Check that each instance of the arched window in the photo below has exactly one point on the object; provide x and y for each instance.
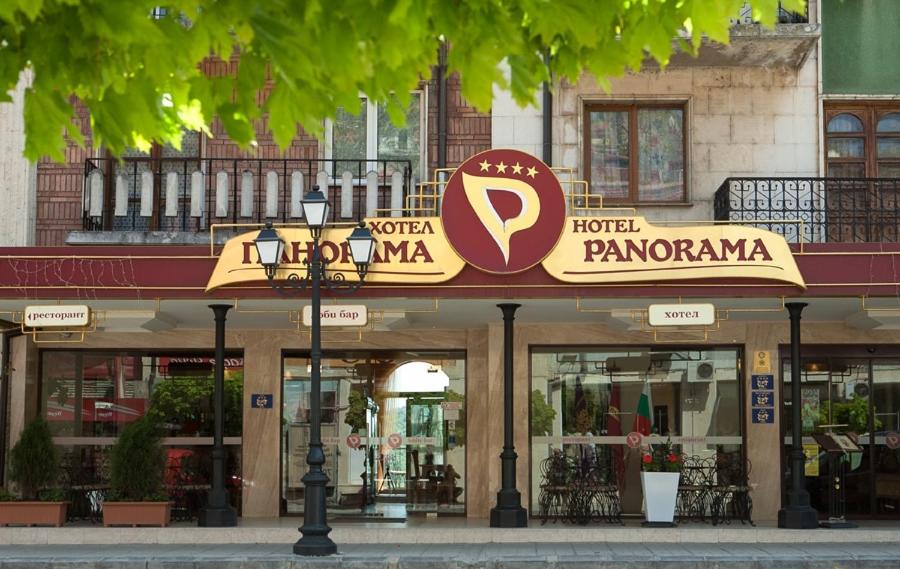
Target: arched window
(862, 140)
(887, 149)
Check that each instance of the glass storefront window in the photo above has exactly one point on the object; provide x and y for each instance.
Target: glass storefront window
(858, 396)
(88, 397)
(584, 401)
(393, 428)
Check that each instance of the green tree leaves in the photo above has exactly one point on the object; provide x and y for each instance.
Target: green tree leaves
(144, 78)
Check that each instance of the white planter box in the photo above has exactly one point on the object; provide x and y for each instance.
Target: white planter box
(660, 493)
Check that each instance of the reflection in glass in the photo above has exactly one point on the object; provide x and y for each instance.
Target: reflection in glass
(609, 153)
(394, 430)
(889, 123)
(845, 122)
(661, 154)
(400, 143)
(585, 400)
(845, 148)
(89, 397)
(349, 134)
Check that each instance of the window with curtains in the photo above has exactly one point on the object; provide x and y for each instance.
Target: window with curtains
(635, 153)
(862, 140)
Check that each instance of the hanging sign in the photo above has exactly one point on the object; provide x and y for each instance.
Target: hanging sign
(338, 315)
(681, 314)
(503, 212)
(57, 316)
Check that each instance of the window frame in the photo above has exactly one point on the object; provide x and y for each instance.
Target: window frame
(372, 136)
(633, 107)
(869, 113)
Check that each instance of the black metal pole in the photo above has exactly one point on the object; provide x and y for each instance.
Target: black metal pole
(217, 512)
(315, 530)
(547, 115)
(509, 512)
(797, 514)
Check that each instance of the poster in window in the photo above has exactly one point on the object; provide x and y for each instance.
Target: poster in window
(809, 408)
(811, 454)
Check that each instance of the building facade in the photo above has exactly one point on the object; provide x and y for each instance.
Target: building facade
(770, 134)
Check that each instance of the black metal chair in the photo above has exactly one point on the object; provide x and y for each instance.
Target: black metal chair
(730, 490)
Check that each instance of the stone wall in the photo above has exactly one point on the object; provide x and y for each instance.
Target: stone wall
(741, 121)
(17, 175)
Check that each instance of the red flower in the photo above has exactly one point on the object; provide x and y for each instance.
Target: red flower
(647, 459)
(672, 457)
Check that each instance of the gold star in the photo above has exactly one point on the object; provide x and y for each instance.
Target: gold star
(501, 168)
(532, 172)
(484, 165)
(517, 169)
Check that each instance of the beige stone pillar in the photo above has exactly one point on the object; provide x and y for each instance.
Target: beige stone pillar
(23, 385)
(478, 412)
(262, 427)
(763, 446)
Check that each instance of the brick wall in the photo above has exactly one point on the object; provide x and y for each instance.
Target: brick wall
(468, 131)
(59, 186)
(59, 189)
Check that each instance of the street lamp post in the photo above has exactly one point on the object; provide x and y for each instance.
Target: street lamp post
(269, 246)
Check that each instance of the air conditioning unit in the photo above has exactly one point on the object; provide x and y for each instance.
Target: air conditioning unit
(700, 371)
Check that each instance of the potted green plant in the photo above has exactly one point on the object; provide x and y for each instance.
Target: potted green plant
(660, 472)
(137, 462)
(34, 468)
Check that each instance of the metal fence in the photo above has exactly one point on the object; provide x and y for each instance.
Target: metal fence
(814, 210)
(190, 194)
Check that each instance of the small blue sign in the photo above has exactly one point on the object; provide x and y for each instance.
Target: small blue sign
(763, 415)
(763, 399)
(261, 400)
(765, 382)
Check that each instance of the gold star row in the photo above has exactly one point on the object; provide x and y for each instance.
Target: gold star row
(531, 172)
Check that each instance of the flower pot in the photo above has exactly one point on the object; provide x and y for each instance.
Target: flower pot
(136, 514)
(660, 493)
(33, 513)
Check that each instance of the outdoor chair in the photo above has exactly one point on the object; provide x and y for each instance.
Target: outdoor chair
(730, 490)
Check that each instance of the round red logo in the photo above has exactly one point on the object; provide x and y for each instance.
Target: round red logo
(503, 211)
(634, 439)
(892, 440)
(395, 440)
(353, 440)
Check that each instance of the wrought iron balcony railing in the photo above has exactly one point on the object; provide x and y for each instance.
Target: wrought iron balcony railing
(191, 194)
(815, 210)
(784, 16)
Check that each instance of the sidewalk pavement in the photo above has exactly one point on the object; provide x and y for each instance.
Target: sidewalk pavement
(560, 555)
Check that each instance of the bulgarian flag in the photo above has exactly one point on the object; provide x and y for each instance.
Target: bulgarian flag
(643, 419)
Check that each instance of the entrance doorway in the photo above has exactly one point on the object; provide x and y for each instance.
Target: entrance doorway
(856, 395)
(393, 428)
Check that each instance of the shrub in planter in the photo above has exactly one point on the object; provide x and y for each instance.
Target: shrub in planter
(137, 463)
(34, 468)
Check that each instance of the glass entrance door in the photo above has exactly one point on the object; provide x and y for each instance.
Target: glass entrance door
(860, 396)
(393, 428)
(886, 439)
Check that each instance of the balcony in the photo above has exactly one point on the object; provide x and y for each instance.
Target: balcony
(786, 45)
(814, 210)
(166, 196)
